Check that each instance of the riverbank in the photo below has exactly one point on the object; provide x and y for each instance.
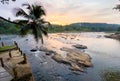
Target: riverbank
(16, 65)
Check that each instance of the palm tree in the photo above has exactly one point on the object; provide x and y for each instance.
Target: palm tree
(33, 21)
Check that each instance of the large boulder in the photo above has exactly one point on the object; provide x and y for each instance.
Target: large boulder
(76, 59)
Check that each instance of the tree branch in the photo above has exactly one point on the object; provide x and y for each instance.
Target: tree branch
(8, 20)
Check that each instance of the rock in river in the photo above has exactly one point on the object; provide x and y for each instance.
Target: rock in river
(80, 46)
(75, 58)
(114, 36)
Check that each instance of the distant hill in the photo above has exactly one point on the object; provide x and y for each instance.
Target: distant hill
(8, 28)
(95, 24)
(95, 27)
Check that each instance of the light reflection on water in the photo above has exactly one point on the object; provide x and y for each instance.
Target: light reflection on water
(105, 54)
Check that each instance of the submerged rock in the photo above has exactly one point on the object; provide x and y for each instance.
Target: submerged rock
(76, 59)
(80, 46)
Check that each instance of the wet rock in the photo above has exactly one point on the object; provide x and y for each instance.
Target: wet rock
(26, 39)
(76, 59)
(80, 46)
(60, 59)
(76, 67)
(114, 36)
(48, 52)
(33, 50)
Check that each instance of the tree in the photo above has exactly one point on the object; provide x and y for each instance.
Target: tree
(6, 1)
(33, 21)
(117, 7)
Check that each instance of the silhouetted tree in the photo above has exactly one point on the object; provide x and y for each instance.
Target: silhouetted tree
(33, 21)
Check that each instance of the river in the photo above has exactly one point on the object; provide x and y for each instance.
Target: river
(105, 54)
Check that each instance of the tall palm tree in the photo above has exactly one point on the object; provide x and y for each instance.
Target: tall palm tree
(33, 21)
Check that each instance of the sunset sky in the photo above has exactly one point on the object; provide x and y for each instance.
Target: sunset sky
(71, 11)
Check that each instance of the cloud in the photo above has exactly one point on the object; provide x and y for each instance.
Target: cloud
(70, 11)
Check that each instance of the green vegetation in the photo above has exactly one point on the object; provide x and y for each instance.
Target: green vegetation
(8, 28)
(118, 31)
(6, 48)
(111, 75)
(89, 27)
(77, 27)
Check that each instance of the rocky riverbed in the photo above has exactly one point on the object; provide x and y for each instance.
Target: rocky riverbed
(67, 54)
(103, 51)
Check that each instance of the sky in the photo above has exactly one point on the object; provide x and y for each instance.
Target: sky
(64, 12)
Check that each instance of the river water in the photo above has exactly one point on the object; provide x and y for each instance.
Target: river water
(105, 54)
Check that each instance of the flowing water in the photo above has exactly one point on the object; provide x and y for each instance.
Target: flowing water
(105, 54)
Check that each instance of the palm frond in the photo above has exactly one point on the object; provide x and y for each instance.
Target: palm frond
(26, 4)
(37, 11)
(42, 21)
(44, 32)
(21, 22)
(21, 12)
(117, 7)
(25, 29)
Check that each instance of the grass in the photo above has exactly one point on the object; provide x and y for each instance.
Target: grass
(111, 76)
(6, 48)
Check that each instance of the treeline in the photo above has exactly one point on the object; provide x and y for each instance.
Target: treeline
(8, 28)
(93, 27)
(67, 28)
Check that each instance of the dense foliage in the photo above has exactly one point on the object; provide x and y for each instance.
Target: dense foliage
(78, 27)
(8, 28)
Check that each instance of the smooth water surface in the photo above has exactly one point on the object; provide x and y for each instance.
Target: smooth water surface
(105, 54)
